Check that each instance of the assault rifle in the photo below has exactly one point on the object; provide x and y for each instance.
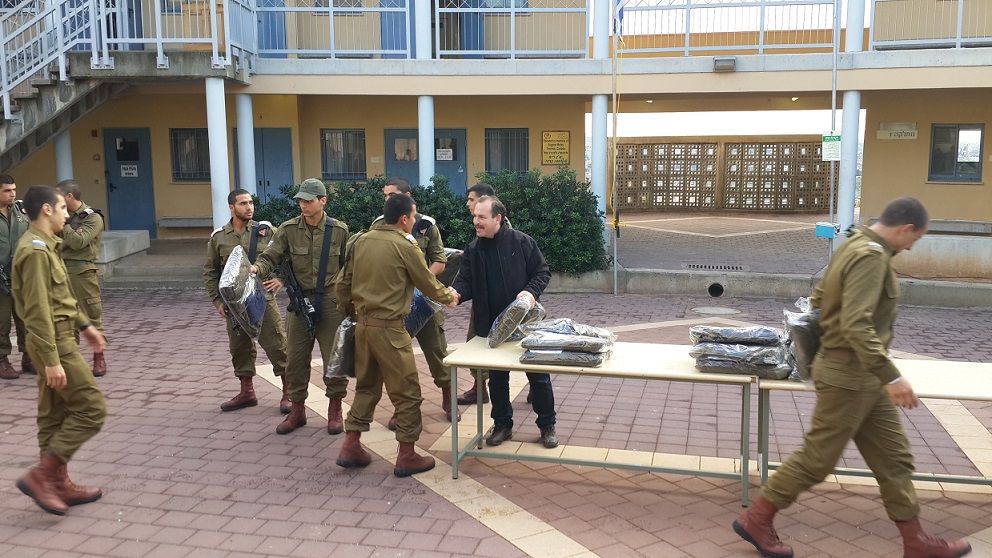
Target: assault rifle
(5, 282)
(300, 304)
(235, 326)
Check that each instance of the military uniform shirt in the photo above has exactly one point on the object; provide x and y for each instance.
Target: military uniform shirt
(294, 240)
(11, 228)
(42, 293)
(857, 299)
(377, 281)
(219, 248)
(427, 236)
(81, 235)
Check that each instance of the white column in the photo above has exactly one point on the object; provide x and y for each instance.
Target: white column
(63, 157)
(246, 144)
(425, 135)
(599, 149)
(422, 34)
(848, 176)
(220, 179)
(602, 14)
(848, 158)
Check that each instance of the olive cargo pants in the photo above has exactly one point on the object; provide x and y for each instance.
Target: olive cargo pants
(271, 337)
(85, 285)
(300, 349)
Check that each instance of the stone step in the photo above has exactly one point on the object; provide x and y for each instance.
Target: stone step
(160, 271)
(182, 283)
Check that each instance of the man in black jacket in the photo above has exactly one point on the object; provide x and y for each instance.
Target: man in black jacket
(499, 266)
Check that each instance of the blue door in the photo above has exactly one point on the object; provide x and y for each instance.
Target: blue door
(273, 161)
(130, 188)
(449, 150)
(271, 29)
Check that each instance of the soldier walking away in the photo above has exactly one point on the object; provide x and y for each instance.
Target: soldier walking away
(377, 288)
(252, 236)
(80, 248)
(431, 337)
(71, 409)
(313, 246)
(13, 223)
(858, 389)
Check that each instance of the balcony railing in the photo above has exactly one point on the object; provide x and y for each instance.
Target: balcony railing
(706, 27)
(511, 29)
(907, 24)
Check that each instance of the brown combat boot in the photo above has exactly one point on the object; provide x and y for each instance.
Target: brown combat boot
(71, 493)
(285, 405)
(39, 484)
(7, 371)
(471, 395)
(99, 365)
(446, 404)
(27, 366)
(392, 423)
(409, 463)
(296, 418)
(917, 543)
(755, 526)
(335, 423)
(352, 453)
(245, 398)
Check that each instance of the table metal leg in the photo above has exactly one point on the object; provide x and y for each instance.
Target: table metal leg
(454, 422)
(745, 440)
(764, 414)
(480, 385)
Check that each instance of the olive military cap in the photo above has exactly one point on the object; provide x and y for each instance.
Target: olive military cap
(311, 188)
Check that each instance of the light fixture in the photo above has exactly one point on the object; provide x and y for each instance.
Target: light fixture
(649, 101)
(724, 63)
(794, 99)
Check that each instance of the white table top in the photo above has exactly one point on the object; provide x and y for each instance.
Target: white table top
(629, 360)
(933, 379)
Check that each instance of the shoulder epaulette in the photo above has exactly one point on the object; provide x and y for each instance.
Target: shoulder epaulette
(88, 211)
(876, 246)
(38, 244)
(428, 218)
(410, 238)
(217, 230)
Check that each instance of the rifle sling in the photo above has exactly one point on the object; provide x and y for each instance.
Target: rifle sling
(325, 250)
(253, 243)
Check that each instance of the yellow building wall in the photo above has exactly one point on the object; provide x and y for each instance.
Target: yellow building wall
(149, 107)
(894, 168)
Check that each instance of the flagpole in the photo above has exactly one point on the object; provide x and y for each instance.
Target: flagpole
(612, 159)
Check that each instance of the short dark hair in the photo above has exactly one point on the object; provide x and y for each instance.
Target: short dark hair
(905, 211)
(37, 197)
(70, 187)
(232, 198)
(396, 207)
(483, 189)
(6, 179)
(497, 208)
(401, 184)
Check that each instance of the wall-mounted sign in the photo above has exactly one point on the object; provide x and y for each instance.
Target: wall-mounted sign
(129, 171)
(444, 154)
(897, 131)
(831, 146)
(554, 148)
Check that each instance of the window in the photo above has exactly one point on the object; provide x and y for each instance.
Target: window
(956, 152)
(342, 154)
(507, 148)
(190, 154)
(504, 4)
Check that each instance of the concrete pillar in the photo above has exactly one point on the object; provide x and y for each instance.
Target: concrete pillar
(602, 14)
(220, 179)
(848, 177)
(246, 144)
(425, 137)
(422, 36)
(63, 157)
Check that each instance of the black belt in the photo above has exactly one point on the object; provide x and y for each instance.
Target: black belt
(840, 355)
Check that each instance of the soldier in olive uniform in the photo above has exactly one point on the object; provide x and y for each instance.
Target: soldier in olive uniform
(71, 409)
(377, 288)
(13, 223)
(299, 241)
(80, 248)
(431, 336)
(252, 236)
(858, 389)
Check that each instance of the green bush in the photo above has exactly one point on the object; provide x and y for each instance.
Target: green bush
(557, 210)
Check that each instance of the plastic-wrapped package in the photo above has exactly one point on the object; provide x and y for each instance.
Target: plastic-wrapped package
(578, 343)
(508, 321)
(242, 292)
(766, 372)
(422, 309)
(447, 277)
(563, 358)
(761, 355)
(535, 314)
(803, 329)
(567, 326)
(752, 335)
(341, 363)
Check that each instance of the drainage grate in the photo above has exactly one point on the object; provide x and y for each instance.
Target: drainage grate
(716, 267)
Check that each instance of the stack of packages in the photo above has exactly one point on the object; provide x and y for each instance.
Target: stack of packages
(242, 293)
(565, 342)
(758, 350)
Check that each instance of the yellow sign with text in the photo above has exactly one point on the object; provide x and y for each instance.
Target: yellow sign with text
(554, 148)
